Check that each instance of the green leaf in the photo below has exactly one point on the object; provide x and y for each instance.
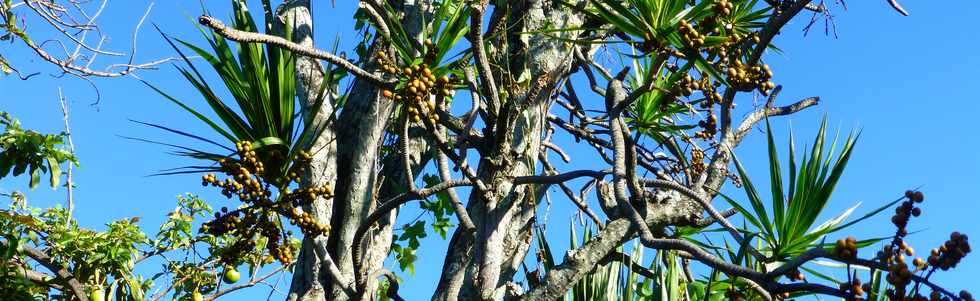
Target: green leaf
(776, 181)
(55, 172)
(35, 177)
(754, 199)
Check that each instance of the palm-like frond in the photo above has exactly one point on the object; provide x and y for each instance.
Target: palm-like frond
(788, 221)
(261, 81)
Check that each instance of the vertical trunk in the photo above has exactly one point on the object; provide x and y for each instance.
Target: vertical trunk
(346, 156)
(310, 276)
(504, 219)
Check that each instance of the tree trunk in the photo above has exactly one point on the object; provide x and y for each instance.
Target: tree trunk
(349, 147)
(504, 216)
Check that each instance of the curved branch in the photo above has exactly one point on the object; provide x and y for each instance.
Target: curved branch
(480, 54)
(251, 283)
(253, 37)
(711, 220)
(628, 261)
(713, 178)
(461, 213)
(898, 7)
(707, 207)
(560, 178)
(386, 207)
(45, 260)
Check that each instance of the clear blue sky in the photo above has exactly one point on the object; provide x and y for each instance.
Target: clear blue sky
(903, 81)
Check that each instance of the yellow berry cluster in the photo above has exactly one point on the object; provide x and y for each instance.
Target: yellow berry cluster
(687, 85)
(951, 252)
(259, 214)
(893, 255)
(709, 127)
(905, 211)
(723, 7)
(855, 288)
(900, 275)
(846, 249)
(750, 77)
(697, 160)
(306, 222)
(690, 36)
(278, 247)
(896, 255)
(795, 275)
(303, 160)
(420, 88)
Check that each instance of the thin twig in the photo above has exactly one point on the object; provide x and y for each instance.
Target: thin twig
(253, 37)
(69, 184)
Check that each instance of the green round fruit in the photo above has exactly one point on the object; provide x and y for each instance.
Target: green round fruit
(197, 296)
(231, 275)
(96, 295)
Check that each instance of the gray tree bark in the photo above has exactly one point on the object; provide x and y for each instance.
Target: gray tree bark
(348, 147)
(504, 216)
(310, 277)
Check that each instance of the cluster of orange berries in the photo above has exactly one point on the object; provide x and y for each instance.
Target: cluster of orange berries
(855, 287)
(900, 275)
(278, 248)
(795, 275)
(687, 85)
(846, 248)
(896, 255)
(750, 77)
(304, 220)
(303, 159)
(244, 175)
(420, 89)
(306, 195)
(723, 7)
(249, 157)
(238, 223)
(905, 211)
(709, 127)
(951, 252)
(697, 160)
(691, 36)
(249, 181)
(893, 255)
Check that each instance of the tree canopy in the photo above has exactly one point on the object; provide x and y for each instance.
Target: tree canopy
(470, 109)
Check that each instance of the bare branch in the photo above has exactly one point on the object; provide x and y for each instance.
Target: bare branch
(253, 37)
(62, 273)
(898, 7)
(251, 283)
(388, 206)
(461, 213)
(69, 184)
(559, 178)
(479, 53)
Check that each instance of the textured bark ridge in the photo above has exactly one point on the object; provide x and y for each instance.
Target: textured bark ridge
(348, 147)
(505, 214)
(309, 281)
